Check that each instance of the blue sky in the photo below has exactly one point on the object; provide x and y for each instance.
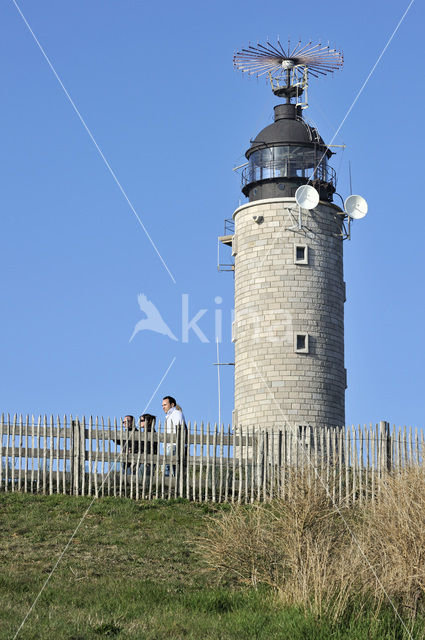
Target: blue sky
(155, 85)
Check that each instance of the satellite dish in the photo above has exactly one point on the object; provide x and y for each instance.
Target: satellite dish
(307, 197)
(356, 207)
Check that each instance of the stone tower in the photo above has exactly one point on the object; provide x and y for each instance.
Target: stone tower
(289, 286)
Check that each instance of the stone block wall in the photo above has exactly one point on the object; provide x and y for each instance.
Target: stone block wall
(276, 300)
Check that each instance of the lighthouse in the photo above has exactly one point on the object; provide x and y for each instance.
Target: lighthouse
(288, 330)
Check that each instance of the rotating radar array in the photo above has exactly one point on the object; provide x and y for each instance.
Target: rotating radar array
(291, 65)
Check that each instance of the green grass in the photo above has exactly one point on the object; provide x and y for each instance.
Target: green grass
(131, 572)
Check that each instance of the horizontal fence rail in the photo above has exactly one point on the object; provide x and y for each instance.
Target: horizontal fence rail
(200, 462)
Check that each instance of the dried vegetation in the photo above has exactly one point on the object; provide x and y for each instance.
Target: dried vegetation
(326, 557)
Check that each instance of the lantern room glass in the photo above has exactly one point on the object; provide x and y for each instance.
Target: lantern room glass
(287, 161)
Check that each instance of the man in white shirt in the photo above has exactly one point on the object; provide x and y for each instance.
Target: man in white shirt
(173, 418)
(173, 415)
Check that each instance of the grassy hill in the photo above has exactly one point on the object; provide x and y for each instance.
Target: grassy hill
(131, 571)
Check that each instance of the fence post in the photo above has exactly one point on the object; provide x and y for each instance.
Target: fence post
(384, 428)
(82, 454)
(181, 452)
(73, 456)
(1, 451)
(78, 456)
(261, 465)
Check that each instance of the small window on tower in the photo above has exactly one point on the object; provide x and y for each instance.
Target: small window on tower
(234, 245)
(234, 331)
(301, 342)
(300, 254)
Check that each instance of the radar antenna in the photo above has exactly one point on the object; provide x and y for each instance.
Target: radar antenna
(288, 69)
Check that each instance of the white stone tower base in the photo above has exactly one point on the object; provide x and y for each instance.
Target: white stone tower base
(289, 315)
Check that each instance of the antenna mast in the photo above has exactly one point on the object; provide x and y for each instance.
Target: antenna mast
(288, 69)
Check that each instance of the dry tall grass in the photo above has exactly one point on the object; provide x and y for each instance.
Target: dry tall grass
(392, 533)
(304, 549)
(297, 546)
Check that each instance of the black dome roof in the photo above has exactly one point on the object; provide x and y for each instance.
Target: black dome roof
(288, 128)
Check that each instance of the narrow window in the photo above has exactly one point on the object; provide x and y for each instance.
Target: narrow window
(234, 245)
(301, 342)
(300, 254)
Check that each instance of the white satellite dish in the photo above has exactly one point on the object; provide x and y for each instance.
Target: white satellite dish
(307, 197)
(356, 207)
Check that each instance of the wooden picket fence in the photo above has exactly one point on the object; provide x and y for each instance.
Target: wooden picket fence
(202, 462)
